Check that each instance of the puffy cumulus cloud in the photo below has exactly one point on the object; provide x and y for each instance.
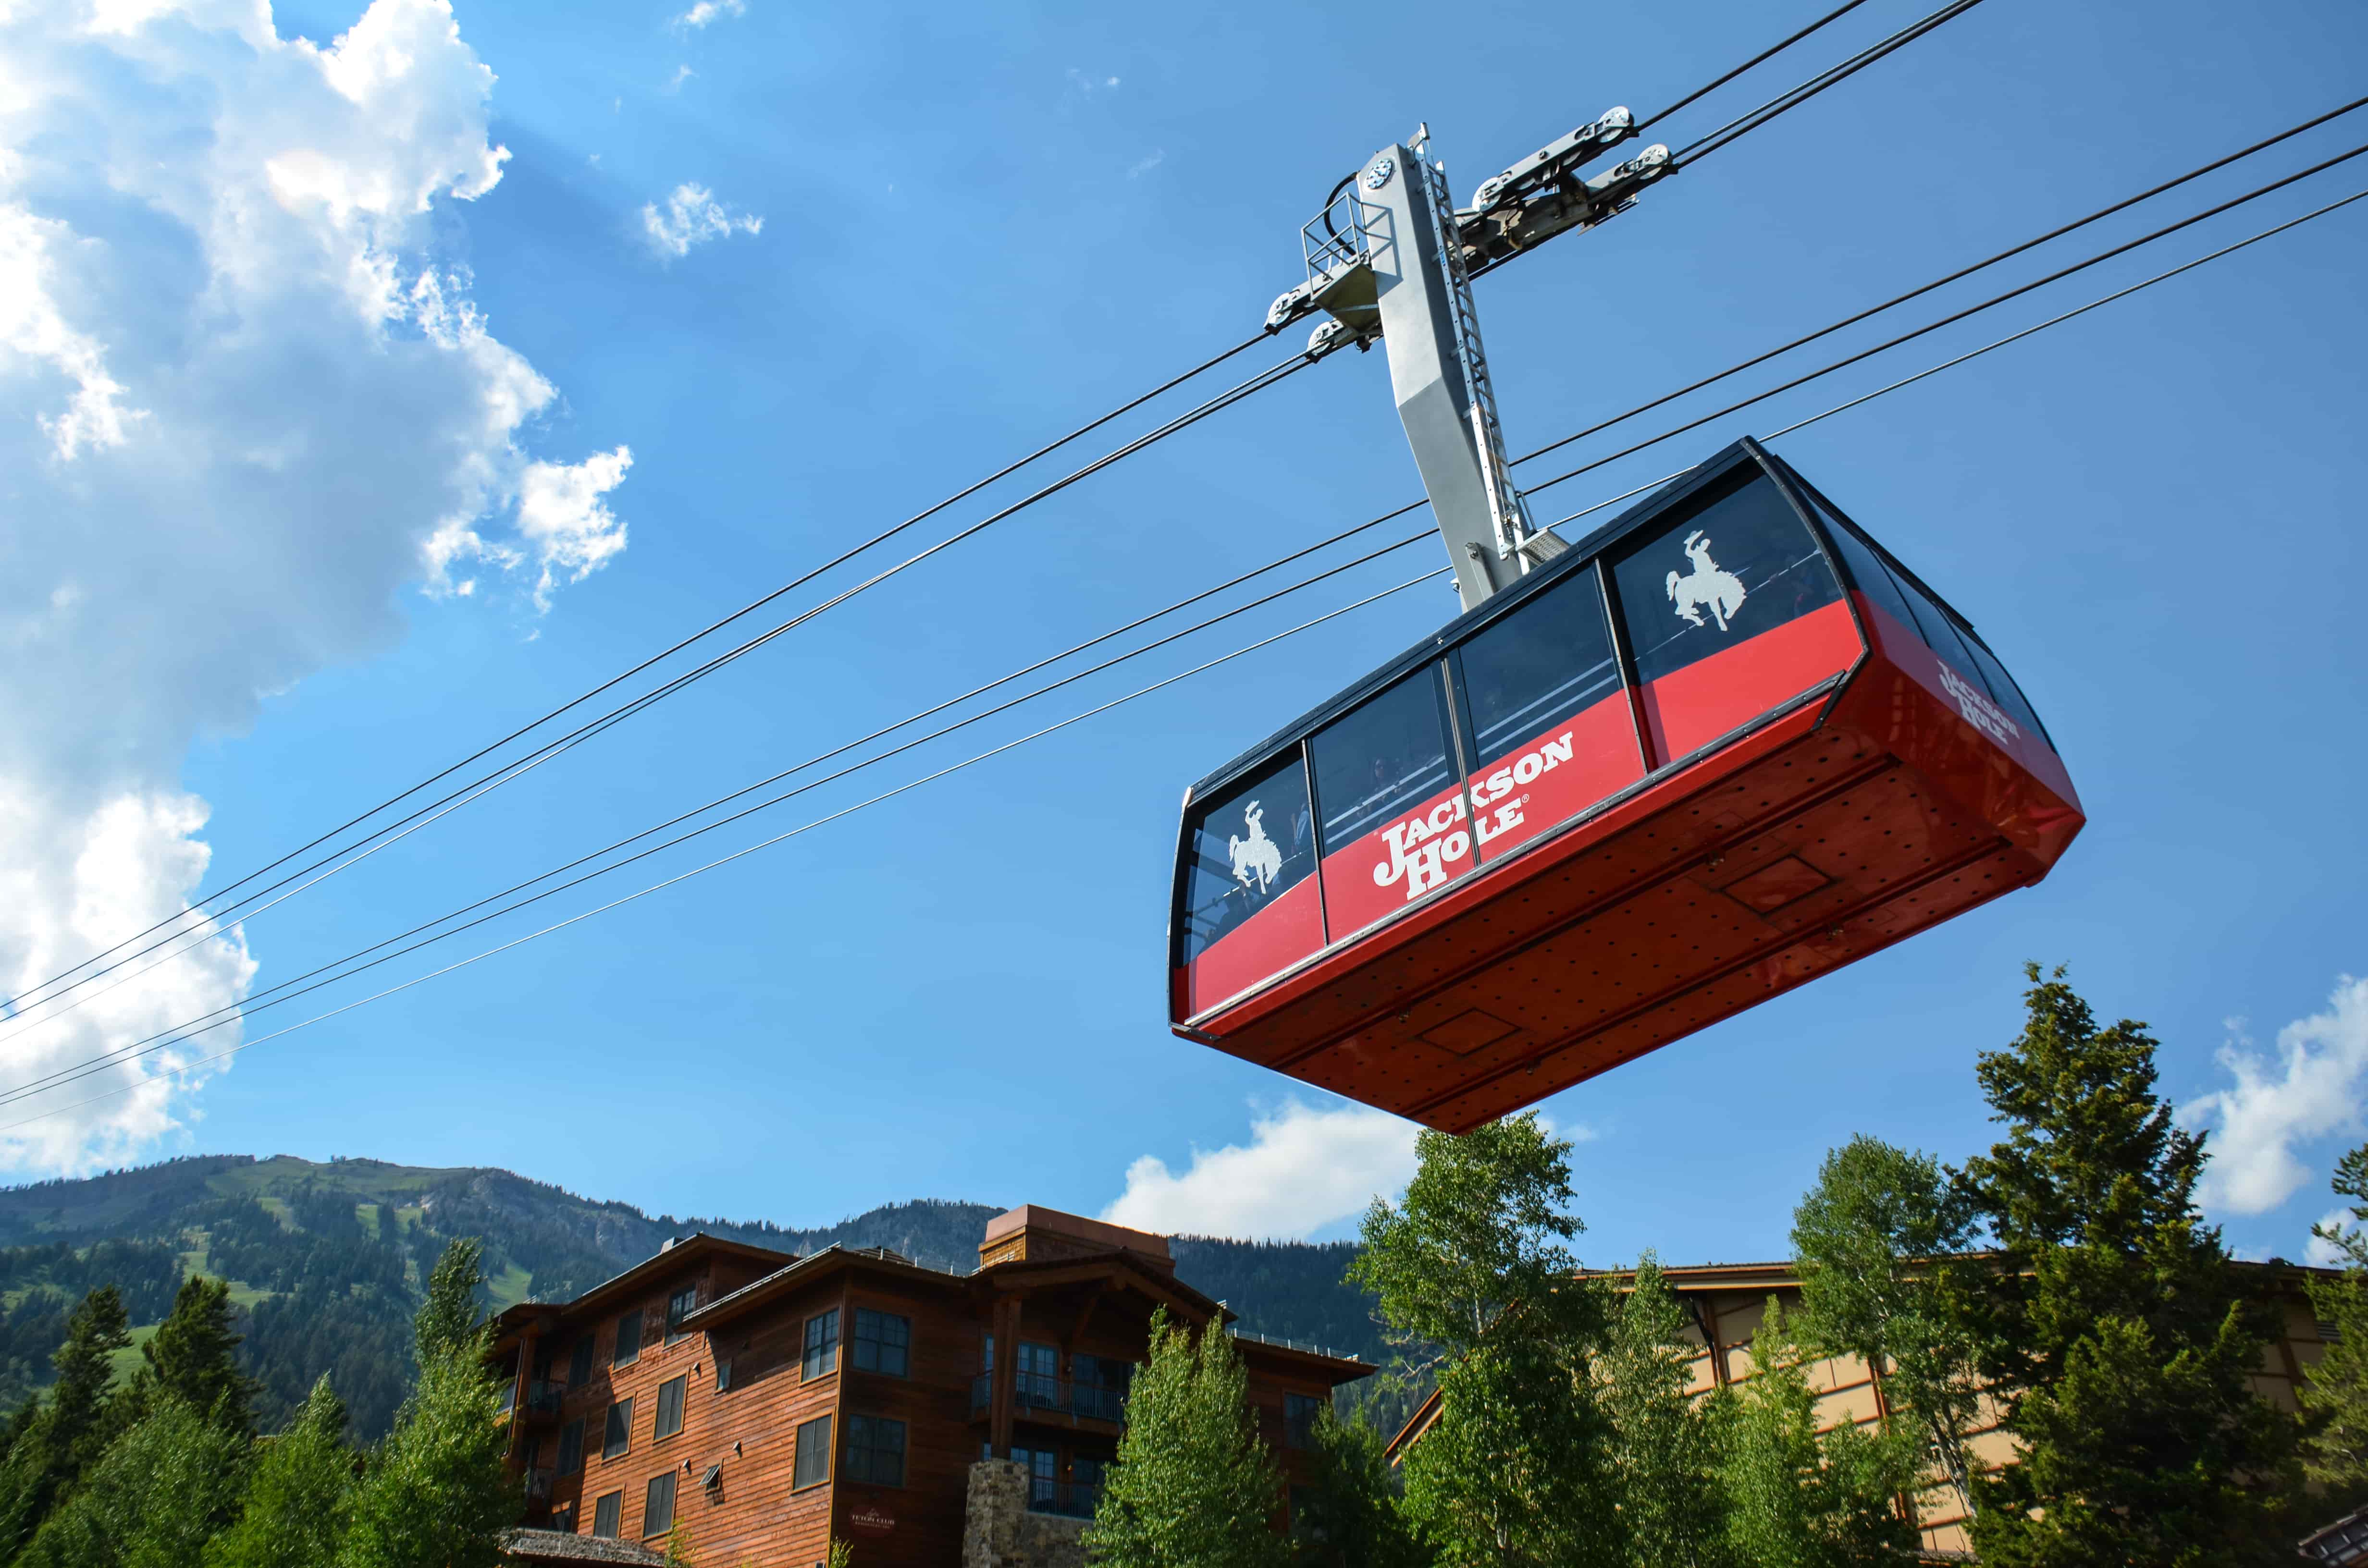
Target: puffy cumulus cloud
(1302, 1168)
(2318, 1250)
(707, 11)
(691, 217)
(2312, 1087)
(242, 404)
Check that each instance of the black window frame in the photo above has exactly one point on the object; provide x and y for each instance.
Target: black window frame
(873, 1445)
(680, 1304)
(620, 1352)
(679, 1388)
(650, 1496)
(818, 1346)
(571, 1437)
(810, 1454)
(608, 1510)
(880, 1347)
(1371, 817)
(619, 1418)
(579, 1362)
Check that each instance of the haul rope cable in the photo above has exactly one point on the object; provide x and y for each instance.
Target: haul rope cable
(1959, 359)
(1773, 392)
(516, 767)
(12, 1006)
(703, 633)
(751, 849)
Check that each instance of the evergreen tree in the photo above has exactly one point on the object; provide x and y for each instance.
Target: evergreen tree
(1347, 1515)
(1797, 1498)
(1879, 1241)
(2336, 1451)
(194, 1356)
(2116, 1333)
(1474, 1273)
(59, 1444)
(1193, 1487)
(437, 1496)
(153, 1500)
(1666, 1454)
(301, 1497)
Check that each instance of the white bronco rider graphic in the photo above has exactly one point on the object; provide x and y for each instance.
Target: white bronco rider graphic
(1707, 584)
(1257, 853)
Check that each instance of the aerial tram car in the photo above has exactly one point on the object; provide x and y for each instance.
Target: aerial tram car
(1725, 744)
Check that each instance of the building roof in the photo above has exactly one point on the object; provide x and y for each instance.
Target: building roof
(1101, 1232)
(564, 1546)
(674, 1254)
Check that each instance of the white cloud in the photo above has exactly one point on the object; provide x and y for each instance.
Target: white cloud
(693, 216)
(2323, 1253)
(1143, 166)
(1303, 1169)
(1088, 83)
(243, 403)
(681, 74)
(2315, 1087)
(706, 11)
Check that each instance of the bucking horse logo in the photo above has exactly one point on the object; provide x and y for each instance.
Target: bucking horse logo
(1708, 586)
(1257, 853)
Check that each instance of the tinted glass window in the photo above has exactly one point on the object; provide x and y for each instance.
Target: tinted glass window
(2007, 695)
(629, 1340)
(579, 1363)
(1867, 570)
(814, 1452)
(880, 1342)
(608, 1514)
(1388, 755)
(571, 1447)
(618, 1435)
(822, 1345)
(875, 1450)
(1299, 1417)
(1729, 570)
(1249, 843)
(679, 1306)
(657, 1508)
(670, 1398)
(724, 1374)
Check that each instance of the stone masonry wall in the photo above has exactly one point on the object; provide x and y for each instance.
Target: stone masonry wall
(999, 1532)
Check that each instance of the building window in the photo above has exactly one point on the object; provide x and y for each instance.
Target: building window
(875, 1450)
(670, 1398)
(619, 1435)
(822, 1345)
(1037, 1379)
(680, 1306)
(1044, 1468)
(563, 1519)
(629, 1340)
(882, 1342)
(722, 1373)
(1299, 1415)
(609, 1515)
(658, 1508)
(579, 1363)
(814, 1453)
(571, 1447)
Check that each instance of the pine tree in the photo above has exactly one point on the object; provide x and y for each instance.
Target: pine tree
(301, 1498)
(1347, 1515)
(1879, 1241)
(65, 1439)
(2336, 1453)
(1475, 1274)
(1193, 1487)
(154, 1498)
(2116, 1333)
(1798, 1498)
(194, 1356)
(437, 1496)
(1666, 1454)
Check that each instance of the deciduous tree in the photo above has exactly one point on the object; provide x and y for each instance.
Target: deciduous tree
(157, 1495)
(2336, 1453)
(1665, 1442)
(1348, 1516)
(301, 1497)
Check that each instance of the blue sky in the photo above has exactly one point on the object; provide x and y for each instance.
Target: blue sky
(918, 241)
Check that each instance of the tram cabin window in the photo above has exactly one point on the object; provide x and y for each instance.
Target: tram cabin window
(1390, 803)
(1552, 732)
(1249, 909)
(1737, 566)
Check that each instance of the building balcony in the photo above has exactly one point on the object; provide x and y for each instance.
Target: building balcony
(1036, 1394)
(537, 1485)
(1069, 1499)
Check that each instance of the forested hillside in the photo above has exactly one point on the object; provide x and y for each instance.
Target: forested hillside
(327, 1261)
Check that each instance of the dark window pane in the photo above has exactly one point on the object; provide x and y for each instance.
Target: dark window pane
(1251, 846)
(1551, 726)
(1036, 1381)
(1390, 803)
(608, 1514)
(629, 1340)
(579, 1363)
(722, 1374)
(1867, 571)
(563, 1519)
(670, 1401)
(617, 1436)
(821, 1345)
(1730, 565)
(679, 1306)
(657, 1508)
(2008, 696)
(1299, 1415)
(571, 1447)
(814, 1452)
(880, 1342)
(875, 1450)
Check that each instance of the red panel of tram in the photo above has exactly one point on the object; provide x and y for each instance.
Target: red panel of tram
(1520, 890)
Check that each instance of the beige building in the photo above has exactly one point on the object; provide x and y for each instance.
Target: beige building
(1724, 1302)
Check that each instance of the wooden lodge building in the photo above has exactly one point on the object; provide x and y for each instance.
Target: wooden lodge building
(767, 1402)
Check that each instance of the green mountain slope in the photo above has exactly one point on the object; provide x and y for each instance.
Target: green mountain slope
(325, 1259)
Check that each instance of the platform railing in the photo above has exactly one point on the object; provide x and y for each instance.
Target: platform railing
(1070, 1499)
(1043, 1392)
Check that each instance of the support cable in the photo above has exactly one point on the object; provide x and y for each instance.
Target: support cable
(13, 1002)
(1765, 55)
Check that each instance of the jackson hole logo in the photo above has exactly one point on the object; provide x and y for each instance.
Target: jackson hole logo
(1424, 846)
(1707, 587)
(1976, 706)
(1257, 853)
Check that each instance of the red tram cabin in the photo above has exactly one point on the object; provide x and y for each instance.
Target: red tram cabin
(1724, 746)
